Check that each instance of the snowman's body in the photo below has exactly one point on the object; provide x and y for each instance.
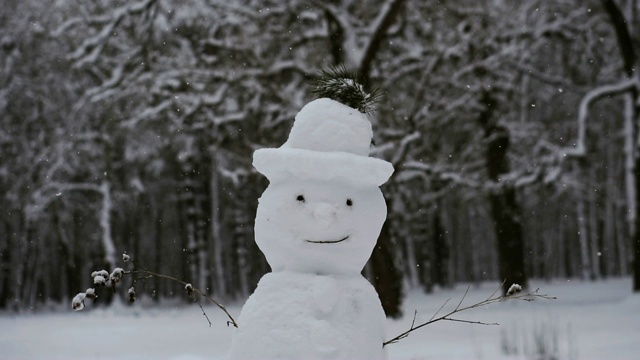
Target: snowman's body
(317, 224)
(306, 316)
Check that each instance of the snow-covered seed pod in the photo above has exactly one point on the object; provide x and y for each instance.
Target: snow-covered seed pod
(77, 303)
(91, 293)
(126, 258)
(99, 280)
(189, 289)
(515, 288)
(103, 273)
(132, 294)
(116, 275)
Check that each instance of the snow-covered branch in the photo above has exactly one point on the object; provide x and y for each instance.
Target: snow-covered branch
(515, 180)
(583, 111)
(357, 54)
(543, 77)
(379, 27)
(92, 47)
(447, 176)
(41, 198)
(402, 149)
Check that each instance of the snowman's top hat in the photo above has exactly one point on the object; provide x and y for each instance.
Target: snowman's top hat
(328, 141)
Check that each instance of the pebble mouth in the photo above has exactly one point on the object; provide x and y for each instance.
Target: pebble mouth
(328, 241)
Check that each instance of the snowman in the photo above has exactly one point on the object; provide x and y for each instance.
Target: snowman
(317, 224)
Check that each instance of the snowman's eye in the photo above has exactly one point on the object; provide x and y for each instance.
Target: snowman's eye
(349, 202)
(300, 198)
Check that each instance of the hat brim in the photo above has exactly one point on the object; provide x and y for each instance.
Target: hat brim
(285, 163)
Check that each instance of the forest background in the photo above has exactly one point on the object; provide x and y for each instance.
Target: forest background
(129, 126)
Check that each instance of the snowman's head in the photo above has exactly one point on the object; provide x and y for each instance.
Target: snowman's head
(319, 227)
(323, 210)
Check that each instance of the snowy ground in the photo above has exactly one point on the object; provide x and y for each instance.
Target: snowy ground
(598, 320)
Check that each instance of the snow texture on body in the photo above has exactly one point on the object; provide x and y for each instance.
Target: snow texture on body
(317, 224)
(306, 316)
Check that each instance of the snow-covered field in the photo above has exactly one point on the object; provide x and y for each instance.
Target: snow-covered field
(595, 320)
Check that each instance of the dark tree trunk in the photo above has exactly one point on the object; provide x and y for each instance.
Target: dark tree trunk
(440, 253)
(377, 40)
(630, 63)
(504, 205)
(386, 278)
(636, 235)
(6, 256)
(158, 259)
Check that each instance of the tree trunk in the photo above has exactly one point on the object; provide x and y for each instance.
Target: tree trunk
(192, 217)
(440, 254)
(105, 225)
(610, 236)
(636, 235)
(624, 33)
(69, 257)
(504, 206)
(220, 285)
(631, 182)
(475, 242)
(14, 255)
(6, 253)
(386, 278)
(595, 244)
(629, 163)
(157, 240)
(412, 262)
(585, 260)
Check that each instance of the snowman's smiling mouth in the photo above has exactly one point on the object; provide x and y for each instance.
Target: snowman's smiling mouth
(328, 241)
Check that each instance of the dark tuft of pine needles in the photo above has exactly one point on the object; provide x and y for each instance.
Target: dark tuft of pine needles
(347, 87)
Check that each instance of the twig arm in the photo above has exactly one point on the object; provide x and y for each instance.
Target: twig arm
(447, 317)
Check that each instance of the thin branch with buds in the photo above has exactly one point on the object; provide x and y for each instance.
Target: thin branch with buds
(490, 300)
(102, 278)
(147, 274)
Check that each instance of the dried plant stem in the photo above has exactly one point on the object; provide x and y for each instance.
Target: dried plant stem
(448, 317)
(205, 314)
(147, 273)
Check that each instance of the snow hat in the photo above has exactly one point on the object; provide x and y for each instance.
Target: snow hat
(328, 141)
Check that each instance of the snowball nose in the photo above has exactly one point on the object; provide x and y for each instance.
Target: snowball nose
(324, 213)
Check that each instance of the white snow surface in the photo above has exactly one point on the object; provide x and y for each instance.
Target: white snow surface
(592, 321)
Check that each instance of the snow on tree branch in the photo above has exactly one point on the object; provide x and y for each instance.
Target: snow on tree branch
(92, 47)
(583, 112)
(42, 197)
(516, 179)
(360, 55)
(379, 27)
